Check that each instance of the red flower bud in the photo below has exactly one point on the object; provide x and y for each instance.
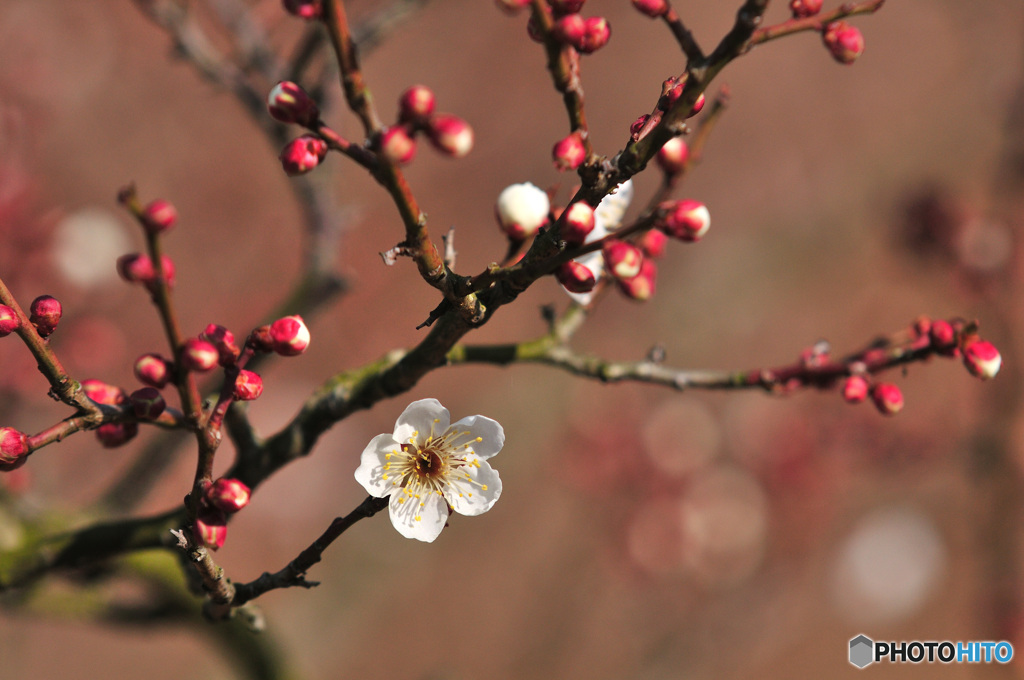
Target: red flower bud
(596, 35)
(943, 337)
(211, 528)
(653, 243)
(637, 125)
(623, 259)
(570, 29)
(304, 9)
(112, 435)
(686, 220)
(227, 495)
(982, 359)
(416, 104)
(569, 153)
(199, 355)
(290, 336)
(159, 216)
(102, 393)
(136, 268)
(147, 403)
(224, 341)
(672, 157)
(450, 135)
(397, 146)
(302, 155)
(697, 105)
(153, 370)
(260, 339)
(13, 445)
(289, 103)
(9, 321)
(640, 287)
(576, 278)
(887, 398)
(652, 8)
(578, 221)
(855, 389)
(844, 42)
(45, 314)
(248, 386)
(804, 8)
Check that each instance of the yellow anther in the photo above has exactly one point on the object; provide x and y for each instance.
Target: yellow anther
(385, 477)
(418, 518)
(387, 456)
(478, 439)
(483, 487)
(387, 466)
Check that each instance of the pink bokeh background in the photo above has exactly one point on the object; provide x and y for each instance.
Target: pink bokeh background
(642, 533)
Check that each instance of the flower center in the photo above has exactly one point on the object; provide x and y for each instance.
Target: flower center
(428, 463)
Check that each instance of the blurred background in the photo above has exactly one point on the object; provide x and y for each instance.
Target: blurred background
(642, 533)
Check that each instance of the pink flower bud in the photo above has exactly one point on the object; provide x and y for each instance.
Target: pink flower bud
(569, 153)
(570, 29)
(674, 90)
(637, 125)
(640, 287)
(13, 445)
(224, 341)
(304, 9)
(9, 321)
(576, 277)
(686, 220)
(653, 243)
(112, 435)
(102, 393)
(289, 103)
(672, 157)
(521, 210)
(623, 259)
(513, 6)
(578, 221)
(855, 389)
(302, 155)
(260, 339)
(397, 146)
(887, 398)
(45, 314)
(942, 335)
(159, 216)
(982, 359)
(227, 495)
(290, 336)
(147, 403)
(697, 105)
(804, 8)
(596, 35)
(560, 7)
(136, 268)
(199, 355)
(211, 528)
(450, 135)
(416, 104)
(153, 370)
(652, 8)
(248, 386)
(844, 42)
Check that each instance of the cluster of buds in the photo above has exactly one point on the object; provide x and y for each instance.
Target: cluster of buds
(448, 134)
(112, 434)
(943, 338)
(288, 337)
(844, 42)
(585, 35)
(220, 499)
(672, 90)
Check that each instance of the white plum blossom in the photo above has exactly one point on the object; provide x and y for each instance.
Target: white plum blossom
(607, 218)
(430, 466)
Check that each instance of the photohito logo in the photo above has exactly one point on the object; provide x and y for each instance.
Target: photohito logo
(865, 651)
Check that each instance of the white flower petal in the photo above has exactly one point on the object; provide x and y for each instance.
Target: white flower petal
(469, 497)
(490, 433)
(370, 472)
(425, 417)
(595, 263)
(612, 207)
(420, 518)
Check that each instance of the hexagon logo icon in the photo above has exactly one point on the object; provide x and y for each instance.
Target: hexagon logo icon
(861, 651)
